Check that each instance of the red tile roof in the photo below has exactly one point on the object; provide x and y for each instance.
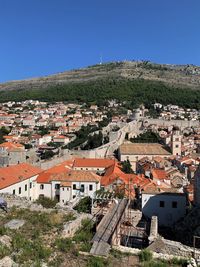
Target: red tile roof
(16, 173)
(159, 174)
(47, 175)
(95, 163)
(10, 145)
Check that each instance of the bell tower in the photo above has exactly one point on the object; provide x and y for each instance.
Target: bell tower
(176, 143)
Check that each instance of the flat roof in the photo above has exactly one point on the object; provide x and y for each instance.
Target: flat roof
(166, 191)
(129, 148)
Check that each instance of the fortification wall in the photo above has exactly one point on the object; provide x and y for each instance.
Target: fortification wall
(179, 123)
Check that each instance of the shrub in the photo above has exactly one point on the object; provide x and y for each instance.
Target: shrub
(84, 205)
(155, 264)
(86, 247)
(2, 230)
(85, 233)
(29, 249)
(118, 254)
(4, 251)
(182, 262)
(145, 255)
(46, 202)
(69, 217)
(97, 262)
(64, 244)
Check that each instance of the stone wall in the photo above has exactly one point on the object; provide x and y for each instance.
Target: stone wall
(179, 123)
(182, 253)
(72, 226)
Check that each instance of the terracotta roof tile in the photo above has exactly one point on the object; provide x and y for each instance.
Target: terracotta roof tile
(16, 173)
(101, 163)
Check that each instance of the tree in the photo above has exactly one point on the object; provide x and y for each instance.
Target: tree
(126, 166)
(47, 154)
(3, 131)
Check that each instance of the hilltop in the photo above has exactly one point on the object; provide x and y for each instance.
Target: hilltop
(128, 80)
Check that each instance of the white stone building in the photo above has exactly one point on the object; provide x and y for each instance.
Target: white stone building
(19, 180)
(169, 207)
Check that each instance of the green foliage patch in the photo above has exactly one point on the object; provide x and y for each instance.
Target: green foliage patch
(135, 91)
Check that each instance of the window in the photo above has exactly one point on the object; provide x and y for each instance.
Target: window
(14, 192)
(20, 190)
(30, 185)
(90, 187)
(162, 204)
(74, 186)
(174, 204)
(41, 186)
(25, 187)
(82, 188)
(177, 145)
(63, 189)
(57, 186)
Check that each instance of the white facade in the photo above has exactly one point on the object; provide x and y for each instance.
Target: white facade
(42, 190)
(25, 188)
(168, 207)
(45, 139)
(65, 194)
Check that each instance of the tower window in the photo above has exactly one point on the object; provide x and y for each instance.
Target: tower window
(174, 204)
(162, 204)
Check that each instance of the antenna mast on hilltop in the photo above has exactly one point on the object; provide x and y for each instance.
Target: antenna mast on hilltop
(101, 60)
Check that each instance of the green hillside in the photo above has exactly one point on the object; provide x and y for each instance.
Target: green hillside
(130, 81)
(133, 91)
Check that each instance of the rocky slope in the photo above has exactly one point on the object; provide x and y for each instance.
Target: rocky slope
(177, 75)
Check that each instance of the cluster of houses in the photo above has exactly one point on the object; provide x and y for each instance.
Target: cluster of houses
(164, 179)
(175, 112)
(164, 186)
(39, 126)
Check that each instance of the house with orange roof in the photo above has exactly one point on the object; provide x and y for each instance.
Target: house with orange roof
(159, 176)
(44, 186)
(19, 180)
(65, 184)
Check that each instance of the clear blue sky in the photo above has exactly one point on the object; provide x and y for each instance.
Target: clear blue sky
(40, 37)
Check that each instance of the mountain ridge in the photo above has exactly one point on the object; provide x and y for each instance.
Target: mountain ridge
(186, 76)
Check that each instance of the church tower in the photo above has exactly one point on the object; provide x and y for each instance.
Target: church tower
(176, 143)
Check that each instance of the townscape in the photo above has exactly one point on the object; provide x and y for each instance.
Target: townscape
(133, 173)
